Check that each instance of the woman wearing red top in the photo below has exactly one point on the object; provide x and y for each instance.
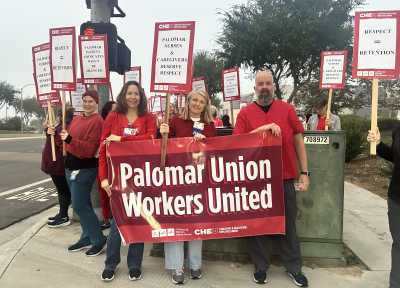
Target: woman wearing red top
(196, 120)
(214, 112)
(129, 122)
(81, 167)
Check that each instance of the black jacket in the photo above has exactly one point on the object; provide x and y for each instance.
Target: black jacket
(392, 154)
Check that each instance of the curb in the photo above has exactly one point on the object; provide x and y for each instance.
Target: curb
(11, 249)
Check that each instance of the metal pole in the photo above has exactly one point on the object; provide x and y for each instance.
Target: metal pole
(22, 122)
(101, 13)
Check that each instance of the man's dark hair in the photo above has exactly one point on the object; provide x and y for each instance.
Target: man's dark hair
(320, 102)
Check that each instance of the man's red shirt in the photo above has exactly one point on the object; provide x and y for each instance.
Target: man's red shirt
(282, 114)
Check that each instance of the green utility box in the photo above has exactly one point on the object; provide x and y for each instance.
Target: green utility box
(320, 210)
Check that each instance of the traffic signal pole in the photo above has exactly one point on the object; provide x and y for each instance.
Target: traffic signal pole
(101, 13)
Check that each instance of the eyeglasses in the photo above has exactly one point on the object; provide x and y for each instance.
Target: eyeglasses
(319, 108)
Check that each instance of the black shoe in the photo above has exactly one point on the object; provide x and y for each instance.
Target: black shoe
(59, 222)
(107, 275)
(260, 276)
(54, 218)
(299, 279)
(195, 273)
(96, 250)
(77, 247)
(105, 224)
(135, 274)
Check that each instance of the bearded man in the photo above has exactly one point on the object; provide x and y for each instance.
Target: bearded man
(280, 117)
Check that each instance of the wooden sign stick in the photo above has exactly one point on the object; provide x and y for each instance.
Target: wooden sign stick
(180, 103)
(165, 136)
(53, 116)
(233, 124)
(374, 114)
(63, 120)
(47, 115)
(328, 112)
(53, 148)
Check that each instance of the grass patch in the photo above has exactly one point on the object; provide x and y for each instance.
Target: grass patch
(351, 259)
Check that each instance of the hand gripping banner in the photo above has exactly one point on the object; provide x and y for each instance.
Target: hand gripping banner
(215, 188)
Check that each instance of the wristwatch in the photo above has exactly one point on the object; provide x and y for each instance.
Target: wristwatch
(305, 173)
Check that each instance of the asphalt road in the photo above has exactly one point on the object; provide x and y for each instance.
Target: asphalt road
(24, 189)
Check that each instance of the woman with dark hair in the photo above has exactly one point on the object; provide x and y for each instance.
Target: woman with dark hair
(392, 154)
(56, 169)
(108, 108)
(130, 122)
(225, 121)
(82, 140)
(196, 117)
(318, 121)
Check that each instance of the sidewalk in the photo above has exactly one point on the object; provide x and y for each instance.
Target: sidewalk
(38, 257)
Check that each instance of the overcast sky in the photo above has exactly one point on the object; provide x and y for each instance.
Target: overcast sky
(26, 23)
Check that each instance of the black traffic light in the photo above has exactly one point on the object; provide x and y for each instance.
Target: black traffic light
(119, 56)
(110, 29)
(123, 57)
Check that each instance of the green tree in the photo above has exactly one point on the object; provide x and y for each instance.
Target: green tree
(207, 65)
(7, 93)
(30, 108)
(349, 97)
(388, 93)
(285, 37)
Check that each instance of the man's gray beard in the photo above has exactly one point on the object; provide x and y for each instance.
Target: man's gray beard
(265, 99)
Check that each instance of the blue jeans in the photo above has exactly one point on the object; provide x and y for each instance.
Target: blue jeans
(135, 252)
(80, 195)
(174, 254)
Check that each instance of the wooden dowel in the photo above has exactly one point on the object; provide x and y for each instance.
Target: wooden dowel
(180, 103)
(165, 136)
(45, 113)
(53, 148)
(233, 123)
(328, 112)
(63, 119)
(374, 114)
(53, 115)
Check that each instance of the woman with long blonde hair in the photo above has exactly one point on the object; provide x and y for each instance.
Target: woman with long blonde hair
(196, 121)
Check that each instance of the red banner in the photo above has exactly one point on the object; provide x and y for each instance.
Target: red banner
(376, 45)
(172, 66)
(93, 56)
(215, 188)
(62, 58)
(333, 69)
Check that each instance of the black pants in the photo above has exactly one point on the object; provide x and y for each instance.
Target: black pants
(64, 195)
(289, 245)
(394, 226)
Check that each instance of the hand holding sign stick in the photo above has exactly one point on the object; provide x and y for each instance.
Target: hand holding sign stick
(165, 135)
(374, 113)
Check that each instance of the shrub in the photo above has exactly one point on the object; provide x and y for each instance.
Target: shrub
(355, 127)
(387, 123)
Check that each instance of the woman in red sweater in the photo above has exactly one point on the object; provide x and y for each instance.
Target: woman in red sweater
(196, 121)
(82, 140)
(129, 122)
